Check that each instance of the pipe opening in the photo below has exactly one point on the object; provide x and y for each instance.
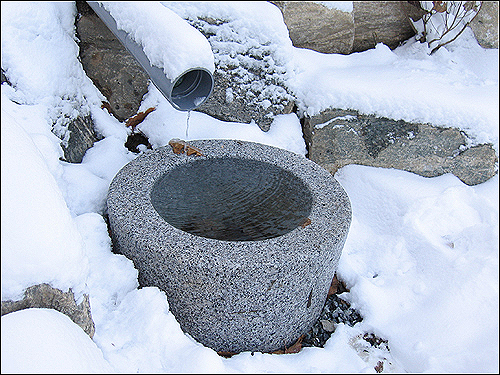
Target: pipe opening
(191, 89)
(232, 199)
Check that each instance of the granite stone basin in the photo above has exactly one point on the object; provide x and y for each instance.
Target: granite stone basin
(244, 239)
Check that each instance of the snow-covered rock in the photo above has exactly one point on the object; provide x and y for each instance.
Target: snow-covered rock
(47, 341)
(337, 137)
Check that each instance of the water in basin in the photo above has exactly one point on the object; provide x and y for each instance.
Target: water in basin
(232, 199)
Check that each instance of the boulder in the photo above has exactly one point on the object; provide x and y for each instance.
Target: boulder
(250, 83)
(314, 26)
(114, 71)
(485, 25)
(328, 30)
(230, 101)
(382, 22)
(337, 137)
(45, 296)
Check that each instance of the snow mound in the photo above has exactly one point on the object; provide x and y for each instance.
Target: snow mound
(40, 242)
(47, 341)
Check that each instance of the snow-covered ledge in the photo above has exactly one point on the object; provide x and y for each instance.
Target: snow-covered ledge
(244, 238)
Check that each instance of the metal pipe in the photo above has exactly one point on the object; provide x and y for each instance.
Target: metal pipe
(186, 92)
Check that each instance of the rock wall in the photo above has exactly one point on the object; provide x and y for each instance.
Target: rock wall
(323, 29)
(255, 78)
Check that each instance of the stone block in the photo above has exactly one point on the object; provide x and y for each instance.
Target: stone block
(382, 22)
(320, 28)
(314, 26)
(337, 137)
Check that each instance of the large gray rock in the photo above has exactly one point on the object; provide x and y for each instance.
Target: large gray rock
(45, 296)
(382, 22)
(336, 138)
(230, 101)
(314, 26)
(485, 25)
(114, 71)
(328, 30)
(241, 270)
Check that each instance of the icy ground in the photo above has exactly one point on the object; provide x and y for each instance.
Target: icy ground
(421, 258)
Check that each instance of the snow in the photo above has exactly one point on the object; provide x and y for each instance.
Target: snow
(344, 6)
(160, 32)
(441, 24)
(53, 250)
(420, 260)
(457, 86)
(47, 341)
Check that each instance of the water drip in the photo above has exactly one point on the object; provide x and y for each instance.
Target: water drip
(187, 123)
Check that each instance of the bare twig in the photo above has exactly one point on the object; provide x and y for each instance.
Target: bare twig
(461, 31)
(443, 12)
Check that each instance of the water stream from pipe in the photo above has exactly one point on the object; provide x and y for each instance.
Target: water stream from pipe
(187, 124)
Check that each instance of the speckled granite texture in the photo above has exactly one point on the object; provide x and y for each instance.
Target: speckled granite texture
(233, 295)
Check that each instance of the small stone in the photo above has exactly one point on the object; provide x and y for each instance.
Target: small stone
(328, 325)
(82, 136)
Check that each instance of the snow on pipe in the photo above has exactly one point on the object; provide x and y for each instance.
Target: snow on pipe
(187, 91)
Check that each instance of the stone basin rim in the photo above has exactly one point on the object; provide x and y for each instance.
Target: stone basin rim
(327, 194)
